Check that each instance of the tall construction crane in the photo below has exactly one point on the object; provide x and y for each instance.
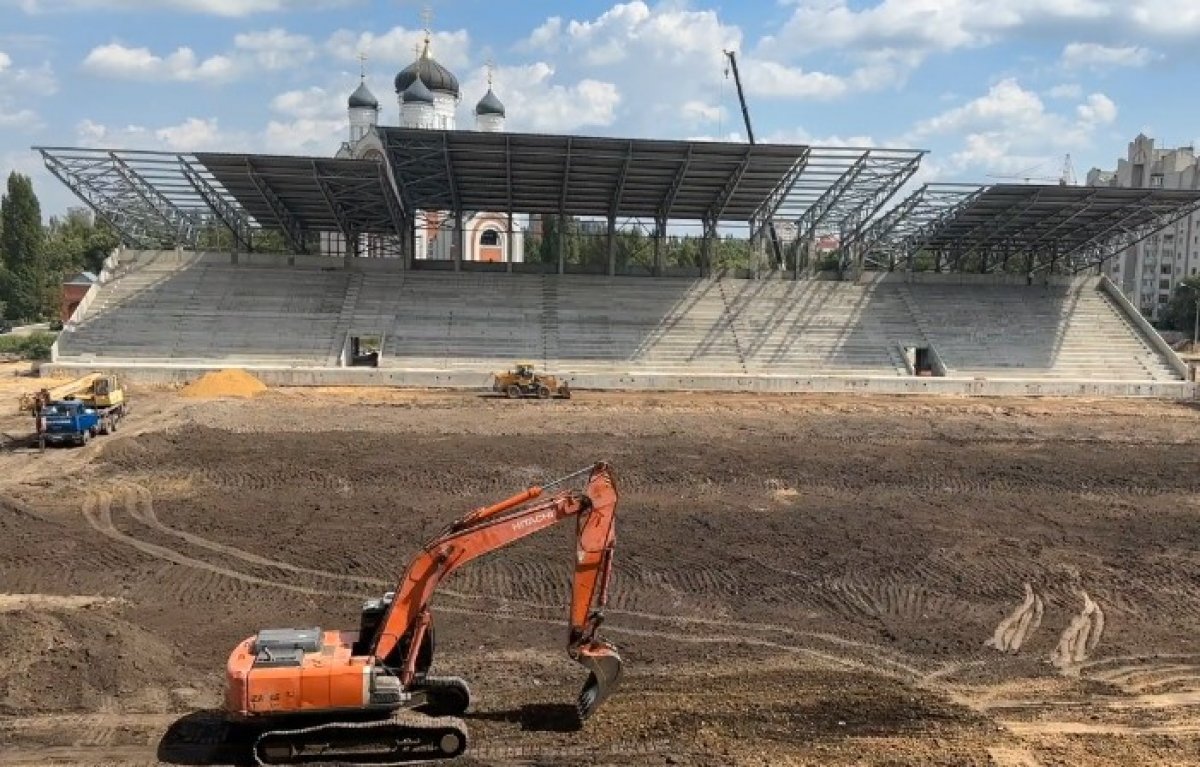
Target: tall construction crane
(737, 79)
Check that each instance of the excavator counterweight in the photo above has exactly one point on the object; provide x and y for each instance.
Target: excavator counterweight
(365, 695)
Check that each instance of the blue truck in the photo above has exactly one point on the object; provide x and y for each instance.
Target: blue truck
(76, 422)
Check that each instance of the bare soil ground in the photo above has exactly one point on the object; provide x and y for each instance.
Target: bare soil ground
(800, 580)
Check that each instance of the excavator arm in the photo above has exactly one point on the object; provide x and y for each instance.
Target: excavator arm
(494, 527)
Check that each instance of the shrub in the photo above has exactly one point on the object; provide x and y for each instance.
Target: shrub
(35, 346)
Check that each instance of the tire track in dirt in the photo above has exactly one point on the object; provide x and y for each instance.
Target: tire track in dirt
(98, 511)
(1163, 675)
(142, 509)
(1008, 756)
(887, 599)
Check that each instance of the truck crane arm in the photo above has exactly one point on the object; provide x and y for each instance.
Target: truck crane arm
(776, 247)
(404, 625)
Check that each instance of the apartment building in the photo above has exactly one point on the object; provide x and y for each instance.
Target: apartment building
(1149, 271)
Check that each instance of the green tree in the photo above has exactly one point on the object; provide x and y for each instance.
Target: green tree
(1181, 311)
(29, 290)
(77, 242)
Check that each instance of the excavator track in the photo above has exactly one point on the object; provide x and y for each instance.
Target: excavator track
(448, 695)
(403, 739)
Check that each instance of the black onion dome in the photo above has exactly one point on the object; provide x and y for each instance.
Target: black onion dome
(489, 105)
(435, 76)
(417, 93)
(362, 98)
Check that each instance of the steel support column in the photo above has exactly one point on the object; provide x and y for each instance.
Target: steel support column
(293, 230)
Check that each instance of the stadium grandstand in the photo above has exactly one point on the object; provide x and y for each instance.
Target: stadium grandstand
(446, 253)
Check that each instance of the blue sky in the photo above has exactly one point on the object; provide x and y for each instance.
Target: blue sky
(991, 87)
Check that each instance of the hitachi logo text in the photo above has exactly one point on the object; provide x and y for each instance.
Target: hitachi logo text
(536, 519)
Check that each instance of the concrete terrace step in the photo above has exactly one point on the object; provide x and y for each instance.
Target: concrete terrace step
(165, 308)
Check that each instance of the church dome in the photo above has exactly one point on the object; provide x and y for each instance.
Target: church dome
(362, 98)
(435, 76)
(489, 105)
(417, 93)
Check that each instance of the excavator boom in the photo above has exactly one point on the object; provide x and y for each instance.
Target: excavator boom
(383, 668)
(495, 527)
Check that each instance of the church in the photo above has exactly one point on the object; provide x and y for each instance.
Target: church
(428, 96)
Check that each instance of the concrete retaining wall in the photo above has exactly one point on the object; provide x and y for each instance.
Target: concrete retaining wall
(616, 381)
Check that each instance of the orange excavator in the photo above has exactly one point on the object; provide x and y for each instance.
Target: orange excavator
(367, 696)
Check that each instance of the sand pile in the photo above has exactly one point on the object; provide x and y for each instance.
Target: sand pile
(224, 383)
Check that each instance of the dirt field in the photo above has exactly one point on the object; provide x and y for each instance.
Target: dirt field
(800, 580)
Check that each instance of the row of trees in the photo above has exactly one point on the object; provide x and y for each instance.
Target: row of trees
(634, 248)
(36, 257)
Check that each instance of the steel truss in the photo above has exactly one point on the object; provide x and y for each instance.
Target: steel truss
(147, 197)
(899, 234)
(1045, 228)
(838, 191)
(162, 199)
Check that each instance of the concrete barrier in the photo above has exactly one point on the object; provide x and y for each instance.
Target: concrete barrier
(160, 374)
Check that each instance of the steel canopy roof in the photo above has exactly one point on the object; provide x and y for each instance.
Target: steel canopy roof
(300, 194)
(586, 175)
(1069, 216)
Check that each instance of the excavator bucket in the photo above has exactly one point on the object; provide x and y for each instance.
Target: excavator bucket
(604, 663)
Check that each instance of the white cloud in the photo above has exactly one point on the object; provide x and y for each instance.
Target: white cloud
(193, 134)
(535, 102)
(309, 136)
(1098, 110)
(117, 61)
(1096, 56)
(19, 86)
(234, 8)
(20, 119)
(397, 47)
(1069, 91)
(662, 56)
(90, 133)
(775, 80)
(1009, 130)
(309, 102)
(276, 49)
(912, 30)
(698, 112)
(635, 32)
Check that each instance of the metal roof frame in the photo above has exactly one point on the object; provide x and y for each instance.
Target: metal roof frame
(157, 199)
(584, 175)
(298, 195)
(1075, 227)
(154, 199)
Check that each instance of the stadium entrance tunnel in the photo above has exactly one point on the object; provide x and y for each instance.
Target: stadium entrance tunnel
(364, 351)
(923, 361)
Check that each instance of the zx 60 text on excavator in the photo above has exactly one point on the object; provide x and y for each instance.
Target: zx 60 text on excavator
(367, 696)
